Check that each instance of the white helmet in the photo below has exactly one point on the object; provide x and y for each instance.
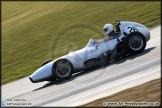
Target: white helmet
(108, 28)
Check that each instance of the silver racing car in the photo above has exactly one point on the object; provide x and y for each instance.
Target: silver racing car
(131, 38)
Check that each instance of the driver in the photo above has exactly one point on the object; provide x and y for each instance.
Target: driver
(109, 31)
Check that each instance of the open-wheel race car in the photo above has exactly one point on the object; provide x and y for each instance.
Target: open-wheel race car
(131, 38)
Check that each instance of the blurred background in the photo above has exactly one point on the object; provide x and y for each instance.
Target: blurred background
(33, 32)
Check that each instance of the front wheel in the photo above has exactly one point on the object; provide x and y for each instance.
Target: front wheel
(135, 42)
(62, 69)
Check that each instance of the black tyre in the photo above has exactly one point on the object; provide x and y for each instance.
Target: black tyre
(135, 42)
(62, 69)
(45, 62)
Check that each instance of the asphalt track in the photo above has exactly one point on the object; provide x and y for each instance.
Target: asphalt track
(87, 86)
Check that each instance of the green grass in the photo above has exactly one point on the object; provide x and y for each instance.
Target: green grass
(30, 29)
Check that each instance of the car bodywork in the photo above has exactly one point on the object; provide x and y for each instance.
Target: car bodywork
(94, 54)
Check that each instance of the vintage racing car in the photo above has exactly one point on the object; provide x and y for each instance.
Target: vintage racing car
(132, 38)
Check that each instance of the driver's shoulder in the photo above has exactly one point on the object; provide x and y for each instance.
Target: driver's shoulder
(115, 35)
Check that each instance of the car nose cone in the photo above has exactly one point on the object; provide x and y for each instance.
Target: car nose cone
(31, 79)
(44, 73)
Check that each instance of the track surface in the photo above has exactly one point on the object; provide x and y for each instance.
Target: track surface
(44, 93)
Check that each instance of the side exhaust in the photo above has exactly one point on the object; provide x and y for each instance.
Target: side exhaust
(102, 59)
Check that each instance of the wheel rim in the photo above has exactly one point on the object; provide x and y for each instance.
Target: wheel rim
(135, 42)
(63, 69)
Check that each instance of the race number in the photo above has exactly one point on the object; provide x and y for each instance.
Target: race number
(134, 28)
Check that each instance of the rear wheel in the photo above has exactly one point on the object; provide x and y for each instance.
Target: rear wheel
(62, 69)
(135, 42)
